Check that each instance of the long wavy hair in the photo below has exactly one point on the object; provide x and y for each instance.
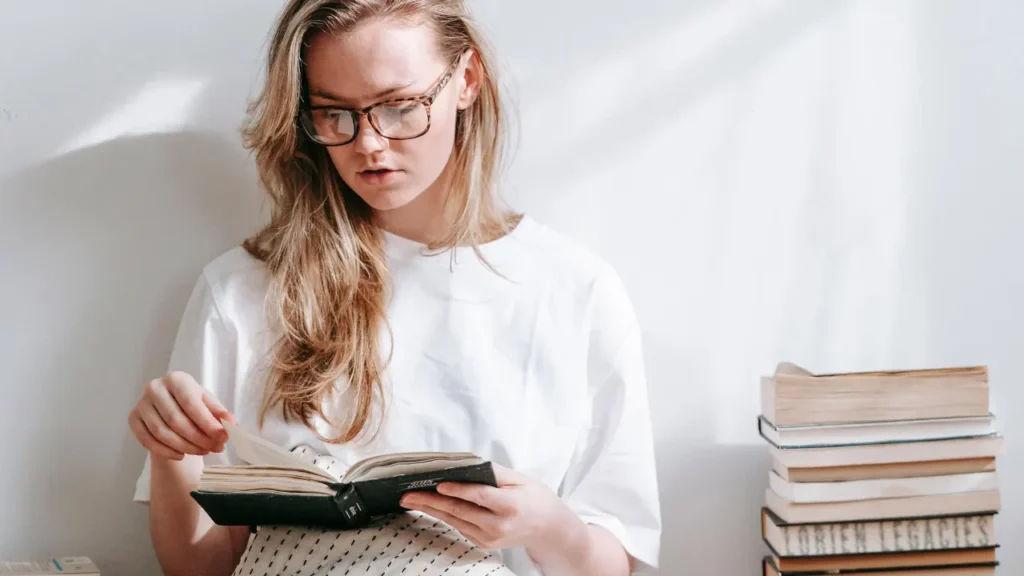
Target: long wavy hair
(325, 256)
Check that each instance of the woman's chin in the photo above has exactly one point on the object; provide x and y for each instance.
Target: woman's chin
(385, 200)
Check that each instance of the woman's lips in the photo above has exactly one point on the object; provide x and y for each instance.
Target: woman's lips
(378, 176)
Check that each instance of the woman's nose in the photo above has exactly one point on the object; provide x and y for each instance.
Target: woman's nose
(368, 140)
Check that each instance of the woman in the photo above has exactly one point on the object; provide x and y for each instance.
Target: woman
(393, 304)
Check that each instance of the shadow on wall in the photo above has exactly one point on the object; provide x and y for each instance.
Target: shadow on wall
(701, 535)
(102, 247)
(628, 117)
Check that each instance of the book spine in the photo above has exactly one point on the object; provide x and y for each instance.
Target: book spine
(352, 507)
(891, 536)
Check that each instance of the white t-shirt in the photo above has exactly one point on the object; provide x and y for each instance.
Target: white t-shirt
(539, 369)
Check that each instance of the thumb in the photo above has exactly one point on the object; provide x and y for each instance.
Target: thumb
(508, 477)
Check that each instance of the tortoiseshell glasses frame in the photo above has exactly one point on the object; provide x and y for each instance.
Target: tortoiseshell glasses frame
(396, 119)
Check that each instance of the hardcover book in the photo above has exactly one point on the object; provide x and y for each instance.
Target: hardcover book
(280, 488)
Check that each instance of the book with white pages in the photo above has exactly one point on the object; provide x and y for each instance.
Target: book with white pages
(987, 501)
(883, 453)
(807, 492)
(859, 433)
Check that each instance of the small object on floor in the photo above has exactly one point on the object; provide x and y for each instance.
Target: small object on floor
(78, 565)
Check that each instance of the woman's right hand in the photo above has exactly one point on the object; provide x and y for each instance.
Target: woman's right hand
(176, 416)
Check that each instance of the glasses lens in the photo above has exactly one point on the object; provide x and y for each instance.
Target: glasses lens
(329, 126)
(401, 119)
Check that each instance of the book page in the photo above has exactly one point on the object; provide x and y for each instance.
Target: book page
(261, 452)
(791, 369)
(397, 464)
(263, 485)
(964, 371)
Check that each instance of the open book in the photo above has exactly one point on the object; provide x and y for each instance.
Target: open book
(283, 488)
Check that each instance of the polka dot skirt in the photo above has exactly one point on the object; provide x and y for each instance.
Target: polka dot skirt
(408, 544)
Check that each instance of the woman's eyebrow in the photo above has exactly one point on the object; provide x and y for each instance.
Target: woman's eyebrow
(328, 95)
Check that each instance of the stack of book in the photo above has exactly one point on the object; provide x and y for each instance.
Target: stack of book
(880, 473)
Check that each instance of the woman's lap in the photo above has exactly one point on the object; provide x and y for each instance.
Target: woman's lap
(405, 544)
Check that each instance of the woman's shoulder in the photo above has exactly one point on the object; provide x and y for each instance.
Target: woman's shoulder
(571, 264)
(237, 282)
(565, 254)
(236, 264)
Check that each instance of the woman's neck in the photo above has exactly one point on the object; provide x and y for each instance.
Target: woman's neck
(422, 220)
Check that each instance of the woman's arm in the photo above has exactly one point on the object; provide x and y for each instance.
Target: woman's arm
(187, 542)
(524, 512)
(584, 550)
(178, 422)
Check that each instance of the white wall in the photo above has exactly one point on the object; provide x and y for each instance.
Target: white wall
(835, 183)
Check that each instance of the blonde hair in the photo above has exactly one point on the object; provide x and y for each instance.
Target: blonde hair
(323, 252)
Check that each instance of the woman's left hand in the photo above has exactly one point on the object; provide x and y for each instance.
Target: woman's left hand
(519, 512)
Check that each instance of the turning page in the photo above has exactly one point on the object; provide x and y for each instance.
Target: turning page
(261, 452)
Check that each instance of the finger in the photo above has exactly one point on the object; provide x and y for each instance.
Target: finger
(508, 477)
(218, 409)
(222, 414)
(467, 529)
(489, 497)
(167, 405)
(150, 443)
(195, 407)
(159, 429)
(466, 511)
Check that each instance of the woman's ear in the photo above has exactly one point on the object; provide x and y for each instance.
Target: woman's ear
(471, 80)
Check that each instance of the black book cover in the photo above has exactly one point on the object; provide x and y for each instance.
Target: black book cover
(353, 505)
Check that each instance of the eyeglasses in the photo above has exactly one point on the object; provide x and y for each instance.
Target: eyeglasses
(398, 119)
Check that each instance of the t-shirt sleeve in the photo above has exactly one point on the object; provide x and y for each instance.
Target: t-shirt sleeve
(204, 347)
(611, 481)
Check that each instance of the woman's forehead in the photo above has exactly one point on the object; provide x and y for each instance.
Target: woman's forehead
(375, 56)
